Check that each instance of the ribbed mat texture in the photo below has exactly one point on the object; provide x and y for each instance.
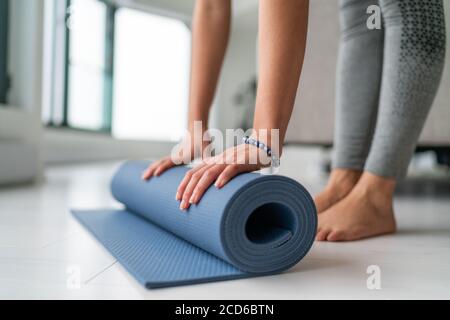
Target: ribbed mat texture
(256, 225)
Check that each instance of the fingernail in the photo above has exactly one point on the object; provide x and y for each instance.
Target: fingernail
(183, 205)
(218, 185)
(178, 197)
(193, 199)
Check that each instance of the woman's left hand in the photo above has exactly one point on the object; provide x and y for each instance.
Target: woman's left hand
(219, 170)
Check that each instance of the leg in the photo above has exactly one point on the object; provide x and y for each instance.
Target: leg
(414, 61)
(358, 85)
(413, 64)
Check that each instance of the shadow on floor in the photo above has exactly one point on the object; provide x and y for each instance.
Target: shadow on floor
(314, 263)
(424, 187)
(426, 232)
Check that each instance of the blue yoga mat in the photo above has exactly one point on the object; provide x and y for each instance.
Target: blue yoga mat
(256, 225)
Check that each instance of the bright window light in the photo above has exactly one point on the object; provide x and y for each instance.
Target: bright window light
(151, 76)
(86, 64)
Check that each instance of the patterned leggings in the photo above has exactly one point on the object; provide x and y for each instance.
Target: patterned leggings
(387, 81)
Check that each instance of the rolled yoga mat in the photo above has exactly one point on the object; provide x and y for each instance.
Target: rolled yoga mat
(256, 225)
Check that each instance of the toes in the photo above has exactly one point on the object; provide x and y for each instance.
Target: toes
(336, 235)
(322, 230)
(322, 235)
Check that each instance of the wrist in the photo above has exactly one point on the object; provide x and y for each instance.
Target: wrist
(197, 126)
(194, 128)
(270, 138)
(272, 155)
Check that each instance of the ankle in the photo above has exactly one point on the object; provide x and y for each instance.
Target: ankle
(344, 179)
(377, 189)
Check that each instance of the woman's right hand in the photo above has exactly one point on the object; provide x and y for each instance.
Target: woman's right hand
(185, 152)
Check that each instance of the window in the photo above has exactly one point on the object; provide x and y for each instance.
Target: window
(126, 72)
(152, 65)
(88, 72)
(4, 8)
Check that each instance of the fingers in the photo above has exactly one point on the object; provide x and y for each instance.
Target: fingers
(164, 166)
(157, 168)
(207, 179)
(227, 174)
(185, 182)
(150, 170)
(232, 171)
(193, 182)
(219, 169)
(197, 181)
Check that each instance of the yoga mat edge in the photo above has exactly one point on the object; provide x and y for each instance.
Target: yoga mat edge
(255, 226)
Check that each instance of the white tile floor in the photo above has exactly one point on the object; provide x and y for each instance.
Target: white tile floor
(40, 244)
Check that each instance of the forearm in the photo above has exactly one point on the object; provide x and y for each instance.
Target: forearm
(211, 29)
(283, 32)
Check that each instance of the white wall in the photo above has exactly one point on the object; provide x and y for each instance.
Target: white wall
(67, 146)
(20, 129)
(182, 8)
(25, 54)
(240, 66)
(313, 117)
(21, 118)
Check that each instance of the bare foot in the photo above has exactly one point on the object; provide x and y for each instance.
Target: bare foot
(340, 184)
(366, 212)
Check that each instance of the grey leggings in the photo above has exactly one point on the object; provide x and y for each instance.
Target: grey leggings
(387, 81)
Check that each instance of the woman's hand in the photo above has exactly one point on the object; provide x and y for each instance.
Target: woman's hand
(185, 152)
(219, 170)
